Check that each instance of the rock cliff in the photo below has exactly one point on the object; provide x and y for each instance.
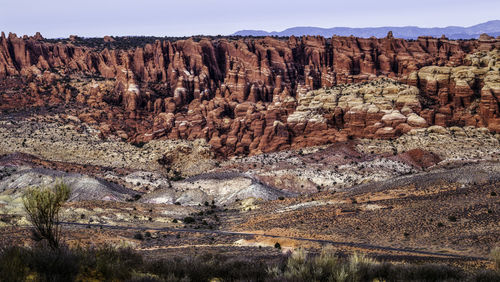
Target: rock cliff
(254, 95)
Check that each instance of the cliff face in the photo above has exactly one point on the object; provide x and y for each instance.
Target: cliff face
(239, 95)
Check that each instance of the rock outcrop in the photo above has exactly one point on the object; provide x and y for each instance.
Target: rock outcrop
(377, 109)
(467, 95)
(250, 95)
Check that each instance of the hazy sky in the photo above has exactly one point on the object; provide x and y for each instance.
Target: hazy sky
(60, 18)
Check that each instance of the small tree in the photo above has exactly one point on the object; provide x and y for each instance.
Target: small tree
(42, 204)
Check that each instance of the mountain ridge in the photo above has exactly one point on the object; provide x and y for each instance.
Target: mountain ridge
(406, 32)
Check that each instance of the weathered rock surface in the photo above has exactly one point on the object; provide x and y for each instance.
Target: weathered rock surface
(77, 143)
(85, 158)
(14, 180)
(240, 95)
(467, 95)
(221, 188)
(372, 110)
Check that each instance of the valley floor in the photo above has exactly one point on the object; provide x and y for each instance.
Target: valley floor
(429, 196)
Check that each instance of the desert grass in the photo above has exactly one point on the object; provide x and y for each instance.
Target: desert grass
(43, 263)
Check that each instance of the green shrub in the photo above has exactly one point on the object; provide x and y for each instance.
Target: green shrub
(42, 204)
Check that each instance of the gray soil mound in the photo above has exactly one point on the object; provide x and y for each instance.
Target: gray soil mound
(15, 180)
(222, 188)
(470, 174)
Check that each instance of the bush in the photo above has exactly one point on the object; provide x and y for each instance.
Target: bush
(358, 267)
(189, 220)
(42, 264)
(12, 264)
(495, 257)
(110, 264)
(138, 236)
(297, 267)
(207, 267)
(486, 276)
(139, 144)
(61, 264)
(42, 204)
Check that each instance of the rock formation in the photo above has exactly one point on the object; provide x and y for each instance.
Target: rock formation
(253, 95)
(464, 95)
(377, 109)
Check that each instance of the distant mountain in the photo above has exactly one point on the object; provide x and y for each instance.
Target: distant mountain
(492, 28)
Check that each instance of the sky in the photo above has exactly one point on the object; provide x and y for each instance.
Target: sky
(96, 18)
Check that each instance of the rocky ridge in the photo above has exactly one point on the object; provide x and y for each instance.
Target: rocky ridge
(50, 139)
(239, 95)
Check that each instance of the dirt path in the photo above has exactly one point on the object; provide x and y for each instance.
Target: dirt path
(325, 242)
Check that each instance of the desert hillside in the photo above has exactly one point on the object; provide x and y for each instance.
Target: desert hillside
(253, 148)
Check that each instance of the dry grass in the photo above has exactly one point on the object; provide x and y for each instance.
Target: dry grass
(114, 264)
(495, 257)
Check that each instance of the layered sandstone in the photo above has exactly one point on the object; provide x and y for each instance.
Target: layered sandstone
(378, 109)
(247, 96)
(467, 95)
